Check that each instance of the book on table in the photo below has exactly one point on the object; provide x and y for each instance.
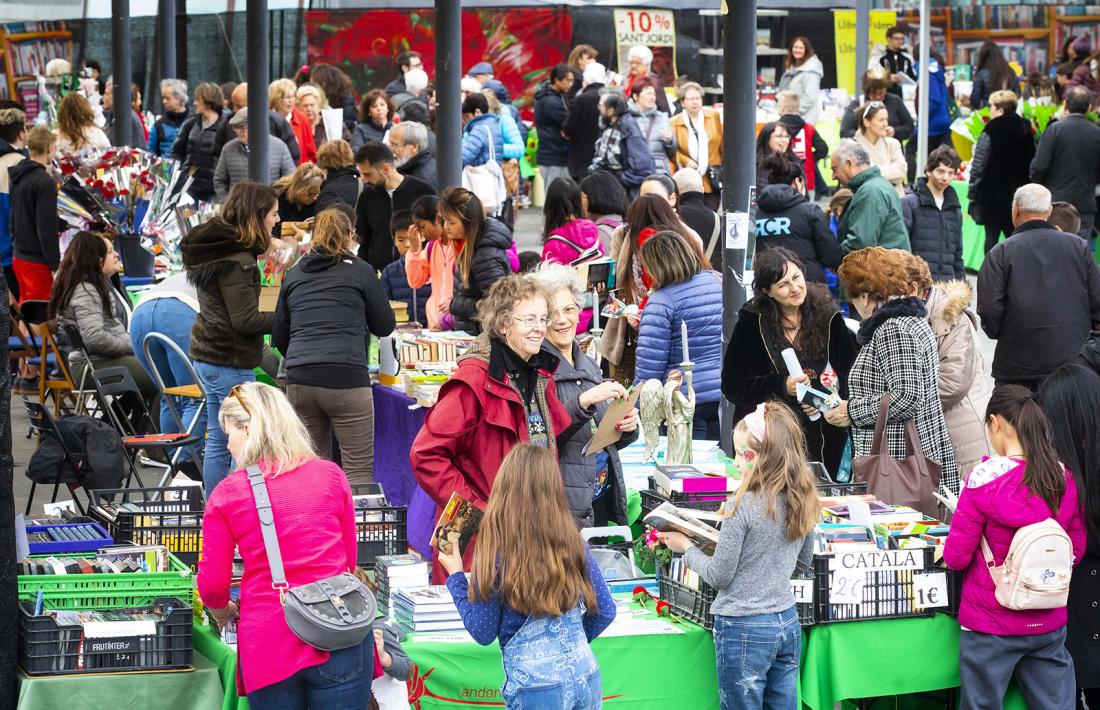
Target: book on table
(698, 525)
(461, 516)
(426, 609)
(689, 479)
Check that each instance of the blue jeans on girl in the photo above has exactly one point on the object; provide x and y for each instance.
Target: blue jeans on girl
(217, 381)
(757, 659)
(548, 665)
(173, 318)
(341, 683)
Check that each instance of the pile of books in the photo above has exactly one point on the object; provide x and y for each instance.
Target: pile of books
(700, 478)
(426, 609)
(109, 560)
(416, 349)
(395, 573)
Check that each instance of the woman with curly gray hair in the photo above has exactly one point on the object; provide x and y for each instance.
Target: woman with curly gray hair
(594, 483)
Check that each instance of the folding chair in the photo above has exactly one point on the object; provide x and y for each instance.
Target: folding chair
(171, 394)
(18, 346)
(36, 313)
(76, 346)
(71, 469)
(115, 387)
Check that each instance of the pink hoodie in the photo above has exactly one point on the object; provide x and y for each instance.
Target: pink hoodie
(579, 236)
(996, 503)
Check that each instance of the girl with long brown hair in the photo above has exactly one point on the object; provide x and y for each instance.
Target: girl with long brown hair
(765, 537)
(76, 129)
(1023, 484)
(534, 586)
(482, 246)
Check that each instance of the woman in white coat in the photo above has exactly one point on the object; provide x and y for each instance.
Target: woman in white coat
(802, 74)
(876, 137)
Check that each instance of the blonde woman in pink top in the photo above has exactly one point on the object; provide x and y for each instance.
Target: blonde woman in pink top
(315, 520)
(434, 263)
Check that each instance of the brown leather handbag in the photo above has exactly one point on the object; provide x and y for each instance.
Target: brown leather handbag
(910, 481)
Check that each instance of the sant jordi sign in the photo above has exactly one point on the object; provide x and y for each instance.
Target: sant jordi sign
(655, 29)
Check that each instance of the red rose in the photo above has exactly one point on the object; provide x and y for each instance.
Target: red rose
(663, 609)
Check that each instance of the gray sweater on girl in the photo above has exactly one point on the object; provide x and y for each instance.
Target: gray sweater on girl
(753, 563)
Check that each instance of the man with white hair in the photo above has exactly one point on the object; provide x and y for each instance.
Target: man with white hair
(416, 82)
(873, 217)
(409, 142)
(640, 60)
(173, 98)
(1038, 293)
(583, 125)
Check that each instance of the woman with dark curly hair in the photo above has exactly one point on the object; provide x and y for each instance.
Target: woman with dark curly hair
(789, 312)
(375, 119)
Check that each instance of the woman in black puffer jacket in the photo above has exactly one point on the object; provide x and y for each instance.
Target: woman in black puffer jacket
(482, 245)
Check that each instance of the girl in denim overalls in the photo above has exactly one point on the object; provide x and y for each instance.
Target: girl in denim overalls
(535, 587)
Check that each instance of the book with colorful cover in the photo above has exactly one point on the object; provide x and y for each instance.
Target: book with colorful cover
(461, 516)
(689, 479)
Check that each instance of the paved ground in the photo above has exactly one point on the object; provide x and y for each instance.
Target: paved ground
(528, 237)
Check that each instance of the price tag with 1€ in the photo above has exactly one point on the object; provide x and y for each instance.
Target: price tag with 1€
(930, 590)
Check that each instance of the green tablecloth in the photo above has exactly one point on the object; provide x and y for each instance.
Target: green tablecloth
(658, 671)
(866, 659)
(209, 644)
(200, 689)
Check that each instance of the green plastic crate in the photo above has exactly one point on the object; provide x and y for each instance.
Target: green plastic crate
(108, 591)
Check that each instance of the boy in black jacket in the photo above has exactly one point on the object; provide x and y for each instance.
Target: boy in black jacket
(933, 216)
(34, 222)
(394, 281)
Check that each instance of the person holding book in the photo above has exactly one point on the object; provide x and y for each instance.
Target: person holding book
(314, 518)
(500, 396)
(765, 537)
(394, 279)
(788, 312)
(594, 483)
(1022, 485)
(533, 586)
(433, 264)
(329, 305)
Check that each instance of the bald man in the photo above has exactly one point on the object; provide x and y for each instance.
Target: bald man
(279, 127)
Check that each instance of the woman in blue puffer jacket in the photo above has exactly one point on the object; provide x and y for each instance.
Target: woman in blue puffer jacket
(682, 291)
(481, 127)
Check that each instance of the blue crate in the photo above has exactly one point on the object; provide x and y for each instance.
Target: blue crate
(55, 547)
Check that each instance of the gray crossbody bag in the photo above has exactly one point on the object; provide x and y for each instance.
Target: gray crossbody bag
(330, 614)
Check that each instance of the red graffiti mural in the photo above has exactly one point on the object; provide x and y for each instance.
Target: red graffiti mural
(521, 44)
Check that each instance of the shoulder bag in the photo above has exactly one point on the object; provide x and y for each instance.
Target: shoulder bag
(487, 180)
(330, 614)
(911, 481)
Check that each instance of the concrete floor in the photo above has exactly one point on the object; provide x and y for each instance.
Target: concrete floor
(528, 233)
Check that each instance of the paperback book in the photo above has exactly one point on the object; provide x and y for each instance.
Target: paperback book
(461, 516)
(698, 525)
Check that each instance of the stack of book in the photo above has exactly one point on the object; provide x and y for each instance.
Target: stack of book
(416, 348)
(426, 609)
(702, 478)
(395, 573)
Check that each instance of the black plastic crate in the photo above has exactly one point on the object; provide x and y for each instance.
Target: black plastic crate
(169, 516)
(954, 590)
(886, 594)
(709, 502)
(381, 530)
(807, 613)
(835, 490)
(47, 648)
(692, 604)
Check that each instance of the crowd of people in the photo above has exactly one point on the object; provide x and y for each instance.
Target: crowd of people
(870, 296)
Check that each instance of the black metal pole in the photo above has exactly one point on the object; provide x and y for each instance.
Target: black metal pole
(738, 168)
(448, 74)
(166, 19)
(121, 69)
(258, 78)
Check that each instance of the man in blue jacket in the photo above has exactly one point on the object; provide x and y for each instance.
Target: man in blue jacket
(939, 115)
(551, 113)
(173, 98)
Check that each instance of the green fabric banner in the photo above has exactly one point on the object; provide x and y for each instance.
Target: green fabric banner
(209, 644)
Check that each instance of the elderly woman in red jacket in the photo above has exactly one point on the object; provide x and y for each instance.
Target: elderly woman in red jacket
(500, 395)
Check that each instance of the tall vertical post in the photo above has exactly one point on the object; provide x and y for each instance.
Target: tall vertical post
(448, 75)
(121, 70)
(166, 31)
(863, 39)
(738, 168)
(259, 131)
(922, 86)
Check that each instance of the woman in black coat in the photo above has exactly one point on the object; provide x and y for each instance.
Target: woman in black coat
(341, 185)
(482, 244)
(1001, 164)
(786, 313)
(1070, 396)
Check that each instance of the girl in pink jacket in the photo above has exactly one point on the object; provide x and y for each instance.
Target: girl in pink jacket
(566, 235)
(1024, 484)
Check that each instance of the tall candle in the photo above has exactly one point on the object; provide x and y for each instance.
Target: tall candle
(684, 339)
(595, 309)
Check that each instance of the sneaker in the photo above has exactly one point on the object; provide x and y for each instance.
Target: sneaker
(24, 386)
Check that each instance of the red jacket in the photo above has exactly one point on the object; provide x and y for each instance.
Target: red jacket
(478, 419)
(303, 132)
(802, 145)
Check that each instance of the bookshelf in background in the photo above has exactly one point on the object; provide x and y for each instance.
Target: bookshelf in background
(27, 48)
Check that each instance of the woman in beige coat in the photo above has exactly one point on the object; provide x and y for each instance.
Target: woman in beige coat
(964, 385)
(877, 137)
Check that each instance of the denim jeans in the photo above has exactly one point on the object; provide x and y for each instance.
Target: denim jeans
(548, 665)
(341, 683)
(217, 381)
(757, 659)
(173, 318)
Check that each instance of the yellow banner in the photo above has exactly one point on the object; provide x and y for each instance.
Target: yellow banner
(844, 24)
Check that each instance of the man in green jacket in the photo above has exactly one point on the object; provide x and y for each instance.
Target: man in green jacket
(873, 216)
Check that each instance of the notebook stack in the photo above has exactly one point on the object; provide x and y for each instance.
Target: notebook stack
(397, 572)
(426, 609)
